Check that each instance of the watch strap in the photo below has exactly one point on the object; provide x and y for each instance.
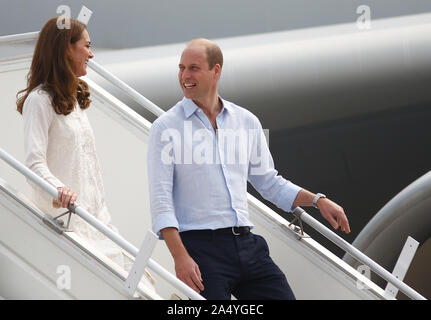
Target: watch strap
(316, 198)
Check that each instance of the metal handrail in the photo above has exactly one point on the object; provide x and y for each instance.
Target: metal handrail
(333, 237)
(100, 226)
(132, 93)
(347, 247)
(21, 37)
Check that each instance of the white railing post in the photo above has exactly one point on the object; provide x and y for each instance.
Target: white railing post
(403, 264)
(141, 261)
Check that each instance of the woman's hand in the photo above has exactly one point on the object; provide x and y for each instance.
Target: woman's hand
(66, 197)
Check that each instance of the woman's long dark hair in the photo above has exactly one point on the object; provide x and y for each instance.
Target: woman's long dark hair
(52, 67)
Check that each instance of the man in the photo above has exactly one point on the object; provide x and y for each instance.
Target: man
(198, 191)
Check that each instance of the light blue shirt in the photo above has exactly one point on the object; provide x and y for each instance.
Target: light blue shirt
(198, 177)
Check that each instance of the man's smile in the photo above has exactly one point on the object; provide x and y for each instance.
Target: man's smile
(189, 85)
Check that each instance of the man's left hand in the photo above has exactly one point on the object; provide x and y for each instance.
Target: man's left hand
(334, 214)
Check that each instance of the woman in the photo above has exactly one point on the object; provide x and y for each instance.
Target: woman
(59, 141)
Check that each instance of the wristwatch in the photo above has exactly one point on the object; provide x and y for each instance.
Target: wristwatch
(316, 198)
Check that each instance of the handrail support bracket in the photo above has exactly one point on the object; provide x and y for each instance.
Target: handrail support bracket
(299, 230)
(56, 224)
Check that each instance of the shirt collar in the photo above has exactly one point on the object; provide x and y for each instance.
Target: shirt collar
(189, 107)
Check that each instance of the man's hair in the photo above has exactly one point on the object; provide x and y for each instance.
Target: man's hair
(213, 51)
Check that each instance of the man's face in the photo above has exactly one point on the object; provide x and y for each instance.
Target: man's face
(196, 80)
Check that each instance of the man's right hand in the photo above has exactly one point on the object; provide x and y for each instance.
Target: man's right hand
(186, 268)
(188, 272)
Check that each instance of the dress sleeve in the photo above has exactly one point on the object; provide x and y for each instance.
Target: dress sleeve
(38, 115)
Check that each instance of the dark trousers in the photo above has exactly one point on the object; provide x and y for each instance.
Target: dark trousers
(236, 264)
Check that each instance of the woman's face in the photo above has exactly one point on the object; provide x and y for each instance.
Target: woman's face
(80, 53)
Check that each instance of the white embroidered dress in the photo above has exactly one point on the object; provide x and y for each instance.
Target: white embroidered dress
(61, 149)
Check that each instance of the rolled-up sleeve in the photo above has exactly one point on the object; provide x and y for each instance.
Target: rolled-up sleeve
(160, 179)
(263, 176)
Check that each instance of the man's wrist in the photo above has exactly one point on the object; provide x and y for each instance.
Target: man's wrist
(318, 197)
(174, 243)
(180, 253)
